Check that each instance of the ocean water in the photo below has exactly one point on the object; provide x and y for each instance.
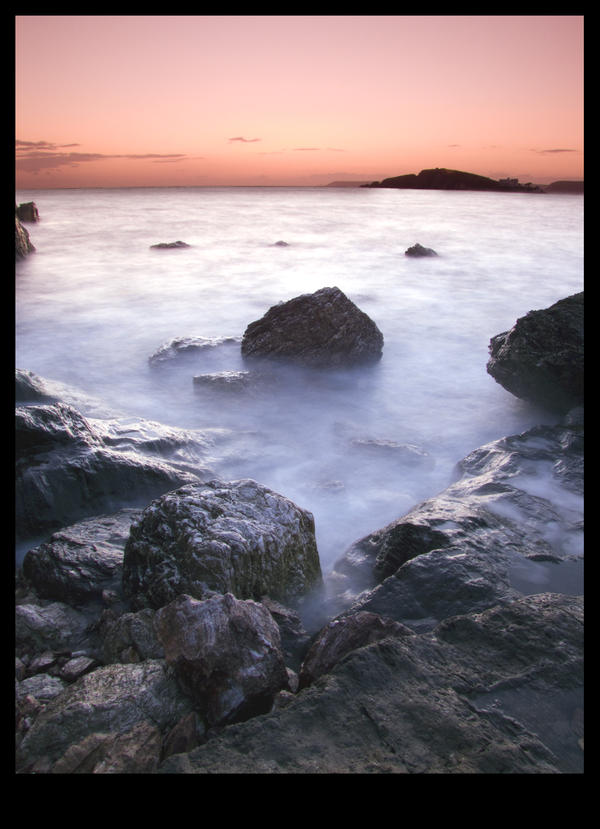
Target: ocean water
(358, 448)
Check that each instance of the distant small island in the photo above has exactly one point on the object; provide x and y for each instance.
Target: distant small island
(440, 178)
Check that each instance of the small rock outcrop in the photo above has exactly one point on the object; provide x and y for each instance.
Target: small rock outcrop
(226, 537)
(419, 250)
(541, 358)
(226, 654)
(186, 346)
(170, 245)
(28, 212)
(322, 330)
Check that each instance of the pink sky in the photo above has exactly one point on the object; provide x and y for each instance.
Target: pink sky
(295, 100)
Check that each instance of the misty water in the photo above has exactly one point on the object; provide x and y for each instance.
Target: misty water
(358, 448)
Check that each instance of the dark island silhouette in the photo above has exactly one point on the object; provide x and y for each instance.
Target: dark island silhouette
(440, 178)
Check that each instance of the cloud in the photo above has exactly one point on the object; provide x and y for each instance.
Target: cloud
(244, 140)
(305, 149)
(34, 156)
(555, 151)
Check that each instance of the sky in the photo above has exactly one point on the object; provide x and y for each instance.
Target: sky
(121, 101)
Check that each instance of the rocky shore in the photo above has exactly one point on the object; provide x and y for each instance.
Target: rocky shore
(160, 622)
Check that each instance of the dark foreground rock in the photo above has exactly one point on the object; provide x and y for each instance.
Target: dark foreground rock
(323, 329)
(28, 212)
(23, 244)
(238, 537)
(497, 692)
(541, 358)
(226, 654)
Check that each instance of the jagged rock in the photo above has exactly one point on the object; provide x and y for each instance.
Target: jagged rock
(54, 626)
(323, 329)
(43, 687)
(294, 638)
(136, 751)
(31, 388)
(238, 537)
(340, 636)
(28, 212)
(226, 654)
(67, 469)
(170, 245)
(184, 736)
(512, 521)
(496, 692)
(185, 346)
(131, 637)
(76, 667)
(112, 699)
(541, 358)
(81, 561)
(23, 244)
(419, 250)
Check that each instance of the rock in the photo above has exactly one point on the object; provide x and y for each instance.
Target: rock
(131, 637)
(487, 693)
(324, 329)
(226, 654)
(30, 388)
(294, 638)
(225, 381)
(110, 700)
(76, 667)
(67, 469)
(185, 346)
(28, 212)
(81, 561)
(510, 524)
(541, 358)
(23, 244)
(184, 736)
(54, 626)
(43, 687)
(170, 245)
(340, 636)
(237, 537)
(137, 751)
(281, 244)
(419, 250)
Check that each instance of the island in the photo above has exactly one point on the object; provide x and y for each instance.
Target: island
(440, 178)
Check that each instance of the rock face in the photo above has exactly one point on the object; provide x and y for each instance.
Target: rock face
(23, 244)
(324, 329)
(419, 250)
(237, 537)
(68, 469)
(226, 654)
(496, 692)
(541, 358)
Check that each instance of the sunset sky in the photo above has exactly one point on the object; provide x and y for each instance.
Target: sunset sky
(295, 100)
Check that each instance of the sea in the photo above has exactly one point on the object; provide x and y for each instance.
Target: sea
(357, 447)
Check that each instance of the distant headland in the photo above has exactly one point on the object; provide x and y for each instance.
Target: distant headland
(440, 178)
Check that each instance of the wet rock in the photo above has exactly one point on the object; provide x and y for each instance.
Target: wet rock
(186, 346)
(419, 250)
(324, 329)
(110, 700)
(294, 638)
(541, 358)
(67, 469)
(511, 524)
(30, 388)
(226, 654)
(238, 537)
(81, 561)
(341, 636)
(23, 244)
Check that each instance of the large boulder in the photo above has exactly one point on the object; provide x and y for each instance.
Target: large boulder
(541, 358)
(496, 692)
(238, 537)
(226, 654)
(323, 329)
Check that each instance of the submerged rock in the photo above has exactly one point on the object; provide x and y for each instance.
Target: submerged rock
(237, 537)
(323, 329)
(170, 245)
(185, 346)
(226, 654)
(541, 358)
